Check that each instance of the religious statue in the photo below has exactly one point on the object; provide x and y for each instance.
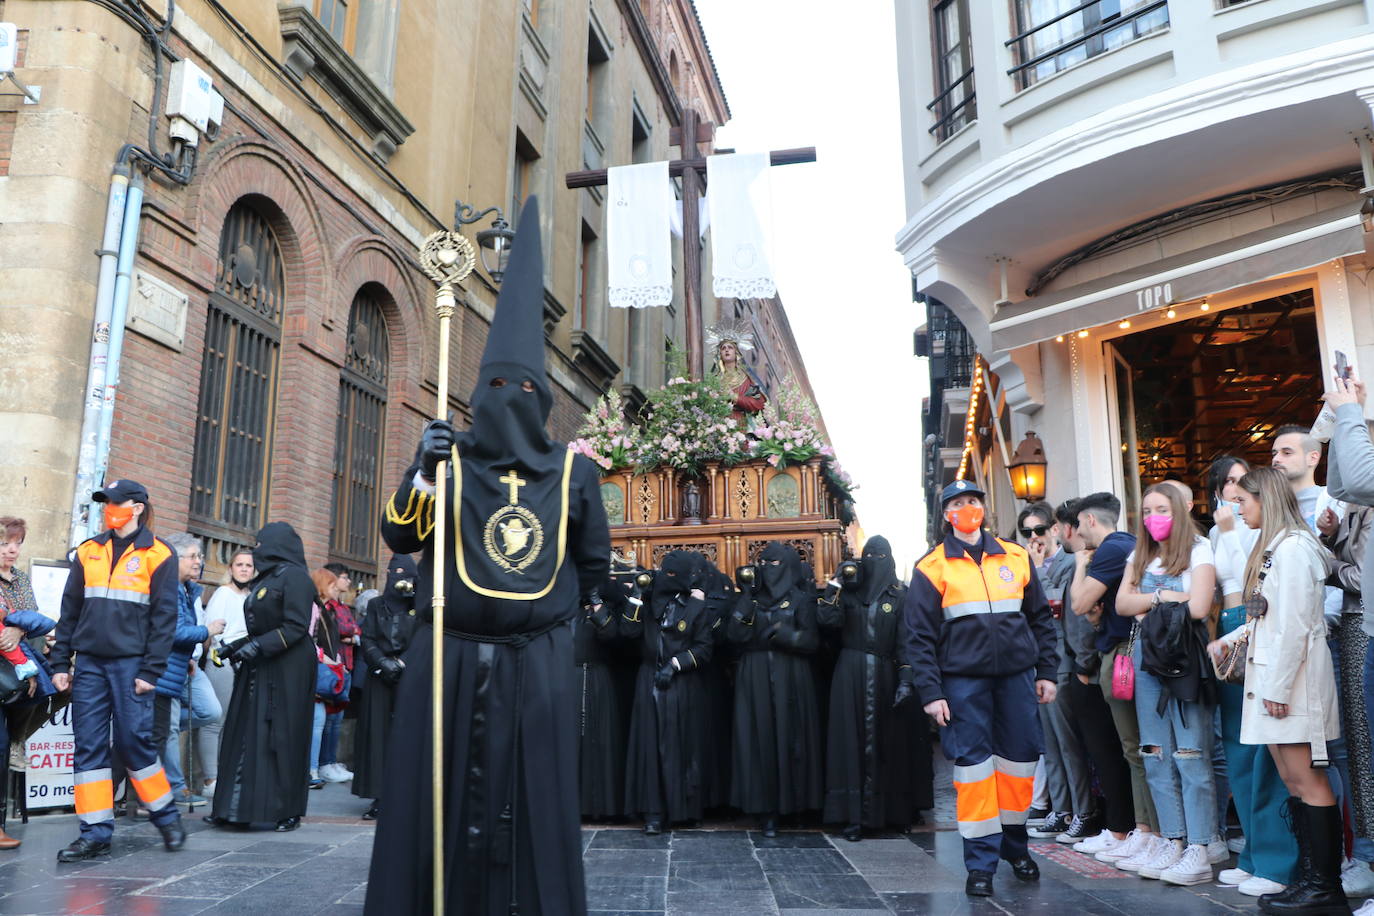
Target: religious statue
(691, 503)
(728, 341)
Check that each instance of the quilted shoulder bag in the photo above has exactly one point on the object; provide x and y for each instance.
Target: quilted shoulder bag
(1123, 669)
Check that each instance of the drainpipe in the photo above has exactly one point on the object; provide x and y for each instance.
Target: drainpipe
(95, 369)
(119, 312)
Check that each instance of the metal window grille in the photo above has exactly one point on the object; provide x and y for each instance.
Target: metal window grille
(1057, 34)
(238, 380)
(956, 103)
(358, 436)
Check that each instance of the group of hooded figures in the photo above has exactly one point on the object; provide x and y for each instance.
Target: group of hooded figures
(698, 694)
(565, 689)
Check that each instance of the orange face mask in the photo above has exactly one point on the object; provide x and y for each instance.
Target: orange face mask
(967, 519)
(118, 516)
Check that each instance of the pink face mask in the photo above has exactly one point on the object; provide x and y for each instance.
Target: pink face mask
(1159, 526)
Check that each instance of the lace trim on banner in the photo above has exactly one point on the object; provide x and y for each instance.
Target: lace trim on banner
(639, 297)
(744, 287)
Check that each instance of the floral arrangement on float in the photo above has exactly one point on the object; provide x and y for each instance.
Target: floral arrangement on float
(606, 437)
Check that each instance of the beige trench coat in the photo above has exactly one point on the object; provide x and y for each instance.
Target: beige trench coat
(1288, 660)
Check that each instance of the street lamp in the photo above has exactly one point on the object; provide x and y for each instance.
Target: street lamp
(1027, 468)
(494, 243)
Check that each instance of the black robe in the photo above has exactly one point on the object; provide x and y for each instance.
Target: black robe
(777, 758)
(265, 745)
(878, 762)
(664, 765)
(718, 681)
(388, 626)
(600, 722)
(488, 688)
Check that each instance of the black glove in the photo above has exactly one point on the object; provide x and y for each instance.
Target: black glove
(600, 617)
(246, 651)
(906, 686)
(435, 446)
(664, 677)
(390, 669)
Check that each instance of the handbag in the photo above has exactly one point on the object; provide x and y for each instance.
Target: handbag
(1123, 669)
(1231, 669)
(1256, 605)
(11, 687)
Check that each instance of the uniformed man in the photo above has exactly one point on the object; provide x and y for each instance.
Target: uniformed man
(119, 615)
(979, 636)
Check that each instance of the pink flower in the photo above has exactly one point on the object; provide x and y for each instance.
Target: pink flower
(773, 460)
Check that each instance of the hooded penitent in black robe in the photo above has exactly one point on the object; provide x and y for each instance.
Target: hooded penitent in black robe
(663, 768)
(600, 720)
(717, 679)
(531, 540)
(388, 624)
(777, 761)
(878, 764)
(265, 745)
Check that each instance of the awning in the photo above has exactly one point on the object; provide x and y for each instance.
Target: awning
(1294, 246)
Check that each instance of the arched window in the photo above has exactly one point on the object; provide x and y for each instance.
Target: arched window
(358, 436)
(673, 72)
(238, 381)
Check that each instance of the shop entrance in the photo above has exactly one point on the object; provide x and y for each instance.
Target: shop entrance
(1220, 383)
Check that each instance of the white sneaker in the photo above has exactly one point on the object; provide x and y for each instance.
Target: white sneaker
(334, 772)
(1095, 844)
(1217, 851)
(345, 774)
(1257, 886)
(1148, 851)
(1366, 909)
(1357, 879)
(1135, 841)
(1233, 877)
(1167, 853)
(1191, 868)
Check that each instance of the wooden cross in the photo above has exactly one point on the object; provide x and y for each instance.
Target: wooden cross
(692, 169)
(513, 481)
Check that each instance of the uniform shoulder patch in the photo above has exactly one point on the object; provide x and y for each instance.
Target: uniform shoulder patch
(1005, 573)
(132, 566)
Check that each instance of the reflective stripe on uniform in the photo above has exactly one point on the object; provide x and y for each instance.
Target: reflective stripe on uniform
(967, 608)
(1015, 788)
(975, 789)
(118, 594)
(152, 786)
(94, 792)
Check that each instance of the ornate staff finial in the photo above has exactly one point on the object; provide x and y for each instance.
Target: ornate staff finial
(447, 258)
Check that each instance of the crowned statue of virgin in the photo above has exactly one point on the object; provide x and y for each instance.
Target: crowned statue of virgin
(729, 342)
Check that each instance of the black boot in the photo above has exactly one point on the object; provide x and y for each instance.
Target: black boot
(173, 834)
(770, 826)
(80, 849)
(653, 826)
(1316, 886)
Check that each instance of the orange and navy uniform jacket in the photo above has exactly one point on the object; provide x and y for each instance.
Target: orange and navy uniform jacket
(128, 610)
(987, 619)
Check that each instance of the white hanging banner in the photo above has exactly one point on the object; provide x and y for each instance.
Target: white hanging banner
(638, 245)
(739, 197)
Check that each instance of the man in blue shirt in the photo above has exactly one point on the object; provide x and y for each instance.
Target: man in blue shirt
(1097, 575)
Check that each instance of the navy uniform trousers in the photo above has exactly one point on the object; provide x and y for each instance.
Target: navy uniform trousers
(994, 740)
(103, 695)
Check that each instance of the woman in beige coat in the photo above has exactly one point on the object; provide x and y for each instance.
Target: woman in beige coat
(1290, 688)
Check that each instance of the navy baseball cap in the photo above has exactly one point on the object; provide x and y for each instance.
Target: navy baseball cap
(118, 491)
(958, 488)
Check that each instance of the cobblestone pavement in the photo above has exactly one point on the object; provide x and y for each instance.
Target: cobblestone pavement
(729, 871)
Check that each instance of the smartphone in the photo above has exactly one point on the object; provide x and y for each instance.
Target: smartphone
(1342, 366)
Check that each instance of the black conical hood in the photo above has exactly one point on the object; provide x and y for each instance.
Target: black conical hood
(515, 343)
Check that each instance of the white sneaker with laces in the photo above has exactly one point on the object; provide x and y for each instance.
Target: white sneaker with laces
(1366, 909)
(1217, 851)
(1357, 879)
(1134, 842)
(1148, 851)
(1095, 844)
(1257, 886)
(1167, 853)
(1233, 877)
(1191, 868)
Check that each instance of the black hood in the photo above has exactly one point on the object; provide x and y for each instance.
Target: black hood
(278, 545)
(508, 422)
(775, 581)
(878, 570)
(679, 573)
(400, 568)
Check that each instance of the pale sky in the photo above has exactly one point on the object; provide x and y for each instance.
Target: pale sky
(797, 73)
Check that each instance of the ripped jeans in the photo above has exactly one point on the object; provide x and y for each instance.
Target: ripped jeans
(1177, 750)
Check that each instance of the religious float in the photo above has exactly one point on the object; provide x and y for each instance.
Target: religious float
(714, 466)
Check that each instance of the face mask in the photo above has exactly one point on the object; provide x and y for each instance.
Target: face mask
(967, 519)
(1224, 507)
(1159, 526)
(118, 516)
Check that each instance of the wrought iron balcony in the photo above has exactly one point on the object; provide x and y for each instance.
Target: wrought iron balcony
(954, 107)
